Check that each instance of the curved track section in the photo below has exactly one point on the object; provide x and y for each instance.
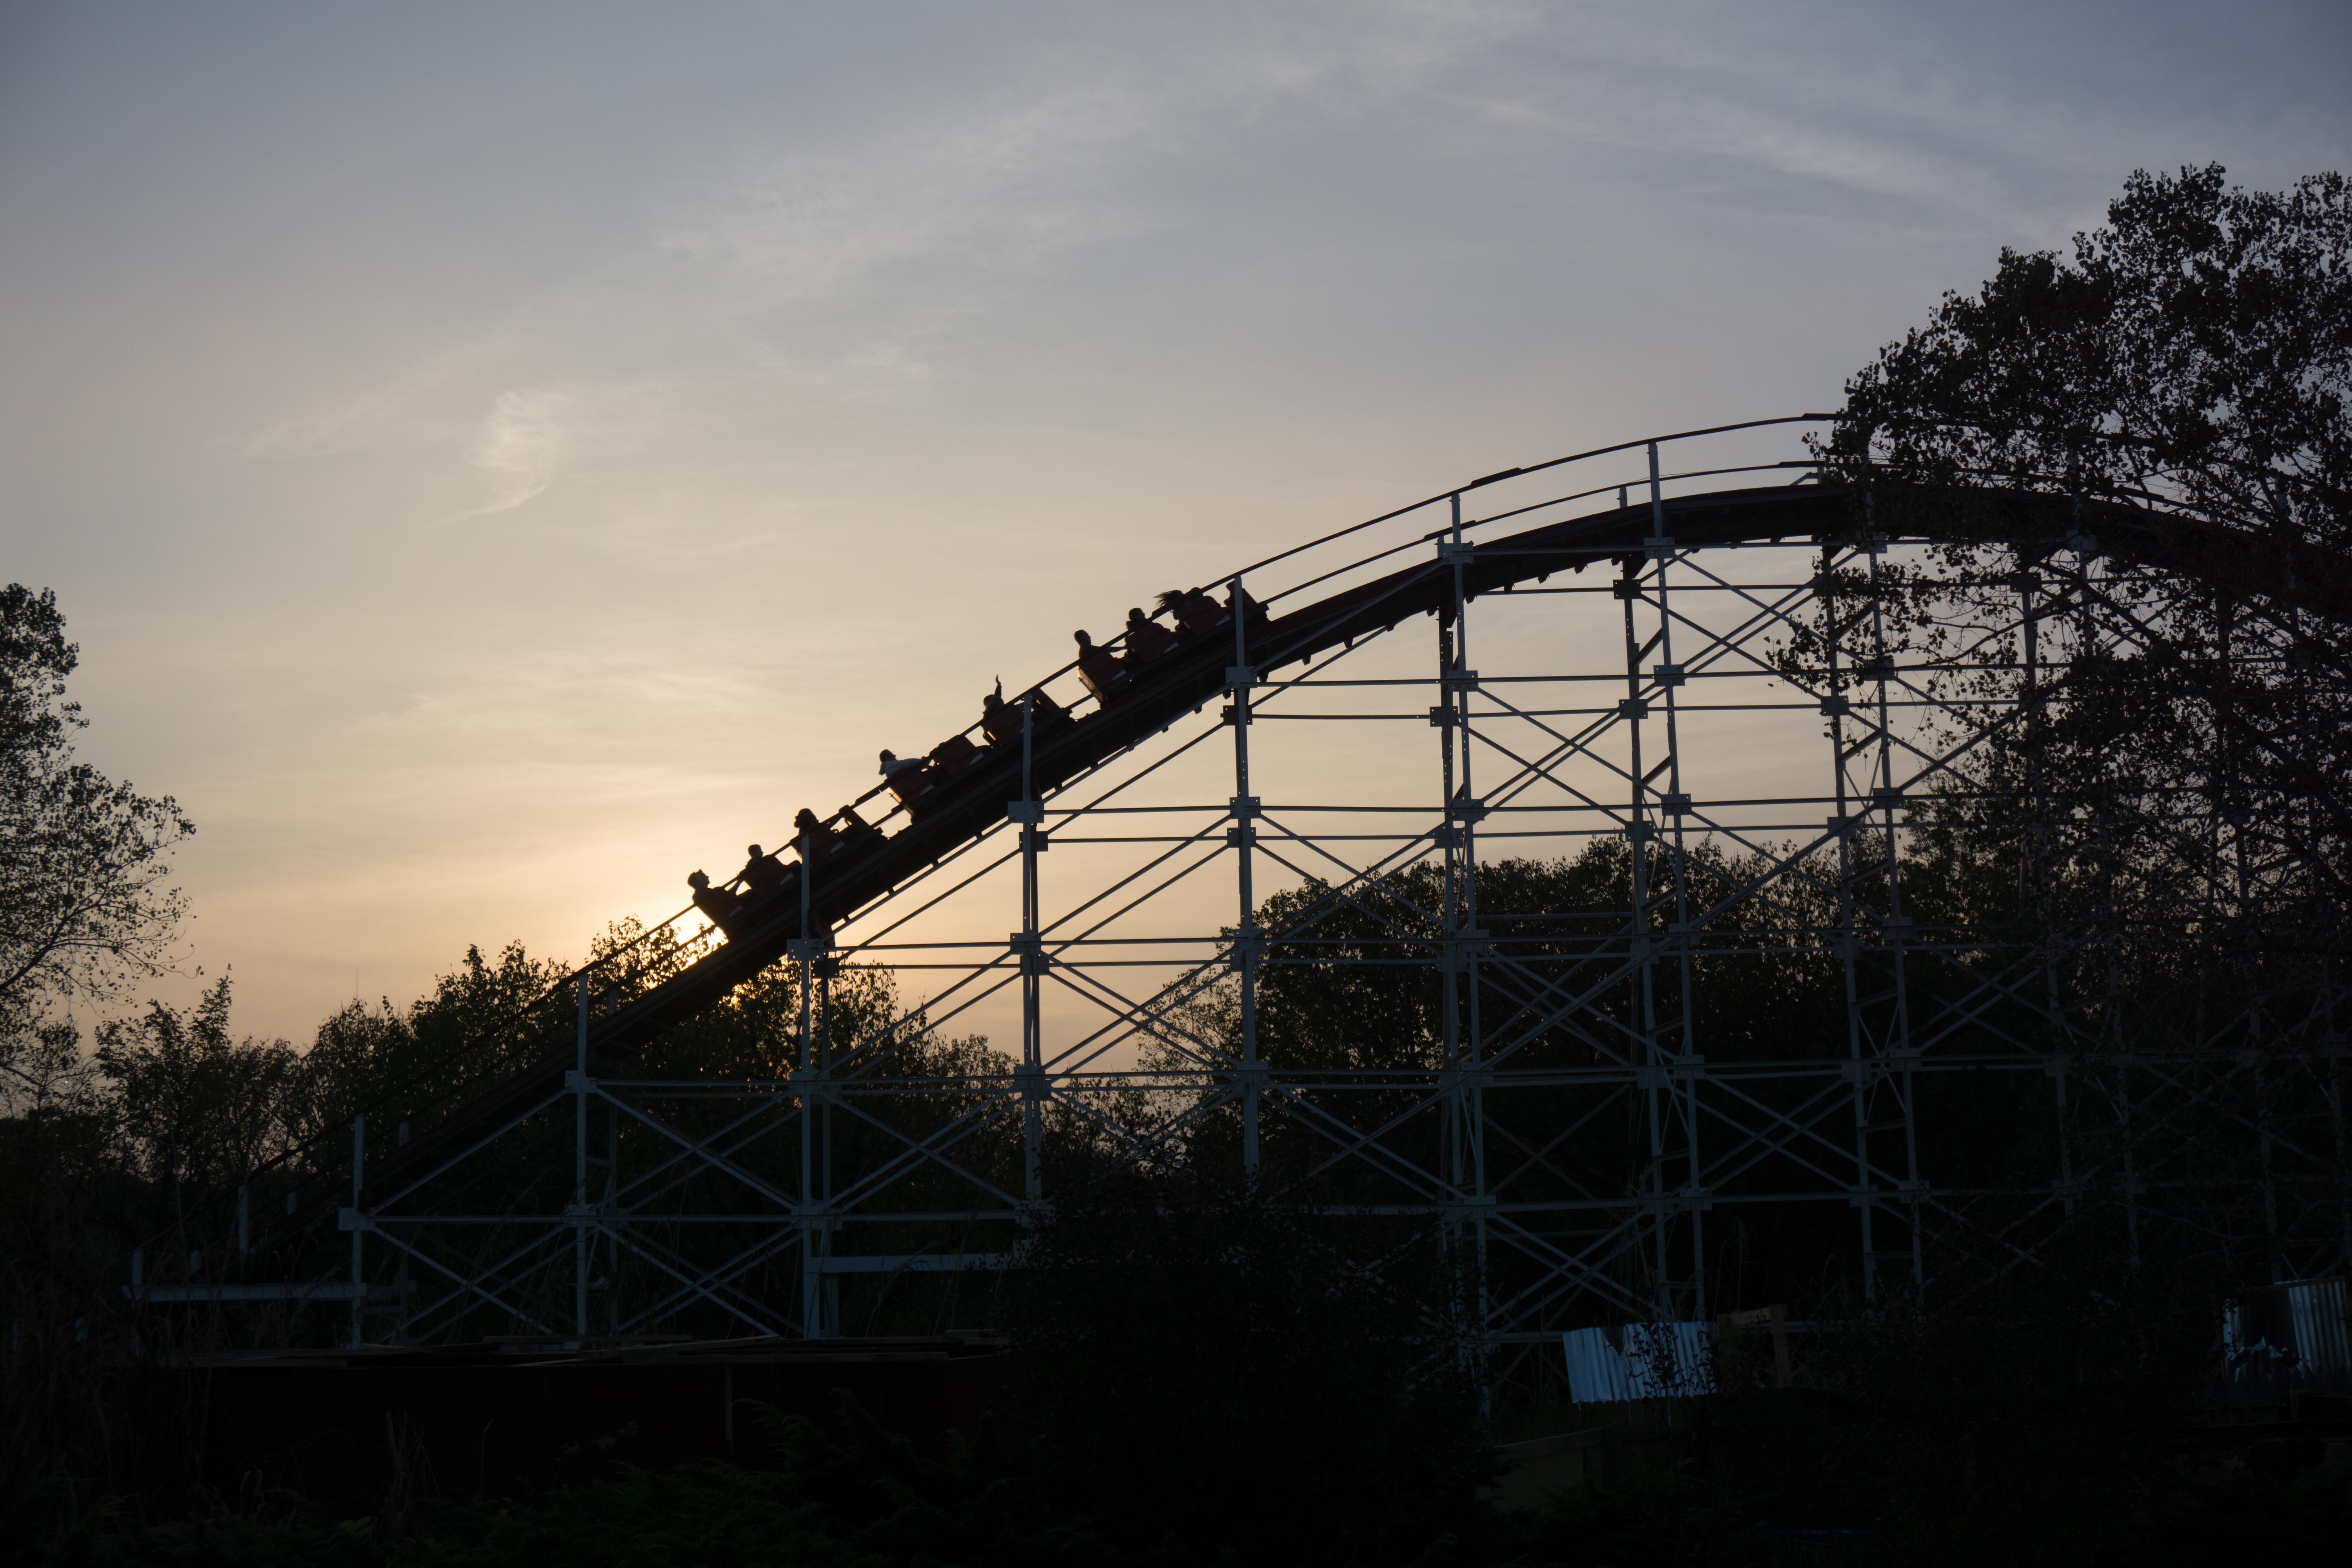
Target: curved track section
(1689, 970)
(1196, 672)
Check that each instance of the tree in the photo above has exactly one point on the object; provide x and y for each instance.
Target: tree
(198, 1110)
(2193, 358)
(2136, 640)
(85, 904)
(2196, 352)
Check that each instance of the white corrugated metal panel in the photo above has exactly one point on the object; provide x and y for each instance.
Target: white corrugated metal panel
(2321, 1348)
(1639, 1361)
(2294, 1330)
(1596, 1371)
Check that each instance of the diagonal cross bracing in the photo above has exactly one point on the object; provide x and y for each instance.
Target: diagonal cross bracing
(1567, 1095)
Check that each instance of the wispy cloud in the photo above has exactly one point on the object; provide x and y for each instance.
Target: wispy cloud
(870, 266)
(408, 407)
(845, 271)
(530, 432)
(1920, 118)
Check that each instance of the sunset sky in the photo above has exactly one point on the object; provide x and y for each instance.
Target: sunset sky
(495, 458)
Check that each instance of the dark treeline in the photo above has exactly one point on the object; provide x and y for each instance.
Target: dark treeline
(140, 1138)
(143, 1139)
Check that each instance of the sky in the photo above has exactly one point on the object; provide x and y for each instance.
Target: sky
(496, 459)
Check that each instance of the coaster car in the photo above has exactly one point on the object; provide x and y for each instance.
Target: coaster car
(1145, 640)
(1098, 670)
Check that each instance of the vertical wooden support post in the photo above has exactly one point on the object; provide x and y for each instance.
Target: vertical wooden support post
(1239, 679)
(1449, 942)
(1837, 708)
(812, 1272)
(2046, 922)
(1642, 974)
(579, 1159)
(1030, 816)
(2118, 1041)
(610, 1224)
(802, 948)
(1461, 1102)
(1899, 1070)
(359, 1257)
(1675, 804)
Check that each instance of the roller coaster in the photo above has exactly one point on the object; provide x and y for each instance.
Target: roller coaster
(1716, 929)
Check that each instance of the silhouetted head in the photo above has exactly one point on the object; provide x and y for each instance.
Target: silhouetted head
(1173, 597)
(888, 756)
(1136, 617)
(1084, 640)
(754, 851)
(806, 821)
(699, 882)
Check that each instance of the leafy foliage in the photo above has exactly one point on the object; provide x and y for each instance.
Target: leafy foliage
(2191, 358)
(84, 905)
(195, 1109)
(2197, 349)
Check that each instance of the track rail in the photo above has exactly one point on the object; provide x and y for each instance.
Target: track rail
(1195, 672)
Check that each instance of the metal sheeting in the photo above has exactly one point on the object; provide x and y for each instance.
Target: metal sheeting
(1639, 1360)
(2298, 1327)
(2322, 1352)
(1596, 1367)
